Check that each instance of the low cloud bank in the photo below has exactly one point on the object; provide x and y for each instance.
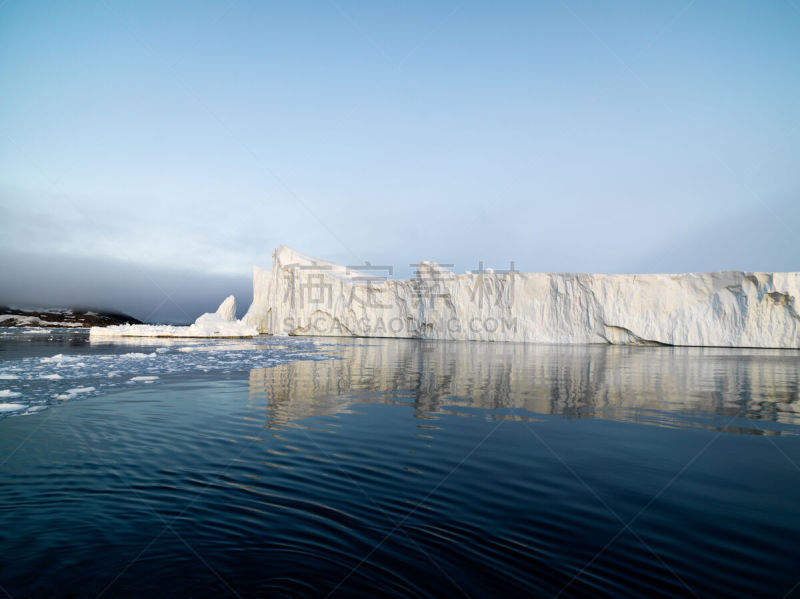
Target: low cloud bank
(151, 294)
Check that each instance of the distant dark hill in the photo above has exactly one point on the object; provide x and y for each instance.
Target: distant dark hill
(61, 317)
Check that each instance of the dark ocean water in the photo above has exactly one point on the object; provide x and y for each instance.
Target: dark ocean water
(295, 468)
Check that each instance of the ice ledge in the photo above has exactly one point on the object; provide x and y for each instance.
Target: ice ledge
(220, 324)
(302, 295)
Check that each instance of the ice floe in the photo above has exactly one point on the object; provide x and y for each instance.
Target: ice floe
(144, 379)
(73, 393)
(108, 364)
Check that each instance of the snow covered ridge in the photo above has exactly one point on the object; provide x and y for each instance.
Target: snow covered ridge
(307, 296)
(221, 323)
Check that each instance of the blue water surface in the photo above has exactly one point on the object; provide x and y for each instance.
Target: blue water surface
(342, 468)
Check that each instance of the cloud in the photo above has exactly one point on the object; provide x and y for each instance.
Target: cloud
(213, 237)
(153, 294)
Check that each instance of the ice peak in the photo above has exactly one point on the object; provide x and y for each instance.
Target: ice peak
(227, 309)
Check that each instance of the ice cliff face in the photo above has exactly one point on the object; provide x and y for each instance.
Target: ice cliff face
(306, 296)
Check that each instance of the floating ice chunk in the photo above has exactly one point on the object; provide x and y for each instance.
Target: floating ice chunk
(144, 379)
(220, 348)
(60, 359)
(56, 358)
(8, 377)
(9, 393)
(11, 407)
(73, 393)
(52, 377)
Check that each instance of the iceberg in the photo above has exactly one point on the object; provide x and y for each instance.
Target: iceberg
(302, 295)
(221, 323)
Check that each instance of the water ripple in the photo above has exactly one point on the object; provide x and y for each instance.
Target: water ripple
(414, 470)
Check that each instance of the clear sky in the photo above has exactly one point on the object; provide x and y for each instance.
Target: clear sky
(567, 135)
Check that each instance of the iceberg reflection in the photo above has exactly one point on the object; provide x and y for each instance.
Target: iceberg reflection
(668, 386)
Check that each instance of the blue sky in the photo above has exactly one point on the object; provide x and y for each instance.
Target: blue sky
(564, 135)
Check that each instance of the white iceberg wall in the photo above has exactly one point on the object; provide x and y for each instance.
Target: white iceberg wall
(306, 296)
(258, 314)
